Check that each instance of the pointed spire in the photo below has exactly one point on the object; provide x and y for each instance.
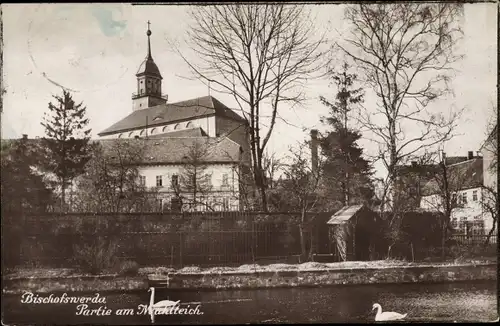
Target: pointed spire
(148, 33)
(148, 66)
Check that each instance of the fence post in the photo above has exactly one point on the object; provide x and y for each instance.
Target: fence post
(181, 244)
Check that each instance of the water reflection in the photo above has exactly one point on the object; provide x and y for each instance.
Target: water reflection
(341, 304)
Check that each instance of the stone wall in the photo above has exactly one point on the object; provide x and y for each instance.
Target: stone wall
(75, 284)
(255, 280)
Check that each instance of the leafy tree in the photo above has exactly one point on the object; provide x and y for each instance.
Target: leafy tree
(345, 169)
(67, 140)
(22, 191)
(346, 174)
(22, 188)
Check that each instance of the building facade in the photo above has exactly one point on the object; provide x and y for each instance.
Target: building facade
(172, 131)
(466, 192)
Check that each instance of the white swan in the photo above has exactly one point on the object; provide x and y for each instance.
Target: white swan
(161, 306)
(388, 315)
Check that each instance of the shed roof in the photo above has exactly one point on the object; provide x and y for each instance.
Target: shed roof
(344, 214)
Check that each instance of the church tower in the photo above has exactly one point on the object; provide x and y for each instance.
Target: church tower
(148, 83)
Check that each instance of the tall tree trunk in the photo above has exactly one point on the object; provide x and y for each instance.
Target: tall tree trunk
(443, 240)
(263, 197)
(63, 195)
(302, 236)
(487, 241)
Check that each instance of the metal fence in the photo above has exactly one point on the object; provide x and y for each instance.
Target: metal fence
(475, 239)
(167, 239)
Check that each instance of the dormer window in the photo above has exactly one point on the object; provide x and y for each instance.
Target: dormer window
(157, 118)
(189, 125)
(164, 129)
(177, 126)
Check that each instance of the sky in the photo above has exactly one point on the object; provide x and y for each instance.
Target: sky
(94, 50)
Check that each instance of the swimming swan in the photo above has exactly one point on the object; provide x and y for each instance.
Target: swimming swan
(388, 315)
(160, 305)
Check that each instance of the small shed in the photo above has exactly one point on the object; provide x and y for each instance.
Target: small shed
(353, 231)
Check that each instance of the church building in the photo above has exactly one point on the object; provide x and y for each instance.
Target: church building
(173, 131)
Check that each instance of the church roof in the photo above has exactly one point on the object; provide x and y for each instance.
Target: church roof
(194, 132)
(174, 150)
(148, 67)
(168, 113)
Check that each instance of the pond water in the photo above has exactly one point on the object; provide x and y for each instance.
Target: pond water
(461, 302)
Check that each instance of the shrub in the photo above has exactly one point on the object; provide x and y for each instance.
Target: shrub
(128, 267)
(95, 256)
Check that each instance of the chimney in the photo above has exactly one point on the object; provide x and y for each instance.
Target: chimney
(25, 136)
(314, 150)
(471, 155)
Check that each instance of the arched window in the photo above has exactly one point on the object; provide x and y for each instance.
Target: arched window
(142, 132)
(153, 131)
(164, 129)
(190, 125)
(131, 134)
(177, 126)
(120, 135)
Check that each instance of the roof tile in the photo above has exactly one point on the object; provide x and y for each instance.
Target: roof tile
(174, 150)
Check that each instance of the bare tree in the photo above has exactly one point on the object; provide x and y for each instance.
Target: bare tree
(262, 55)
(441, 193)
(111, 180)
(406, 54)
(299, 191)
(195, 180)
(491, 206)
(271, 166)
(490, 156)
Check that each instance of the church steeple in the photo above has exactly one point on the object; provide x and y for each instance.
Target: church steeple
(148, 81)
(148, 33)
